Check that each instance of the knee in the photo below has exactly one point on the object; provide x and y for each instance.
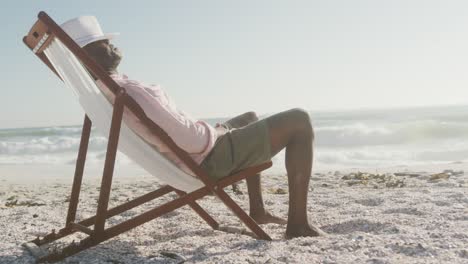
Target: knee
(251, 116)
(302, 121)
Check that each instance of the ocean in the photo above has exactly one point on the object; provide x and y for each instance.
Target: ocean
(343, 139)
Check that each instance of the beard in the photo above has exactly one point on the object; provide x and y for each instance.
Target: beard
(109, 61)
(112, 62)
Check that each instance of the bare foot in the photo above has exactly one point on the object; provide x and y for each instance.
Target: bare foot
(266, 218)
(304, 231)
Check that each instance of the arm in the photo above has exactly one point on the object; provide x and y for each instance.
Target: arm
(191, 135)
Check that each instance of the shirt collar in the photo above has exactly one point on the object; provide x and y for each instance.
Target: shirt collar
(118, 76)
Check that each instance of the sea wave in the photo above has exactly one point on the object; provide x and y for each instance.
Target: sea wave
(370, 134)
(60, 158)
(40, 132)
(47, 145)
(369, 157)
(341, 139)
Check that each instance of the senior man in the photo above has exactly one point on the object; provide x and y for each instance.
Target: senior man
(240, 142)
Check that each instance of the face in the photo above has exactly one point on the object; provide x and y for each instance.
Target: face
(105, 54)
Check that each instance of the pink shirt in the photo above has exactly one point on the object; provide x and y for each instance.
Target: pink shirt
(196, 137)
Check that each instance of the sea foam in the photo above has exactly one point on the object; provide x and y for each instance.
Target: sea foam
(343, 139)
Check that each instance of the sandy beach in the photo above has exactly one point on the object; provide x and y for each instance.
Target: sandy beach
(402, 214)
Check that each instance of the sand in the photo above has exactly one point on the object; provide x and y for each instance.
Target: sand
(386, 215)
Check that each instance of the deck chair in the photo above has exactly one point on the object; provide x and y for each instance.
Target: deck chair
(79, 72)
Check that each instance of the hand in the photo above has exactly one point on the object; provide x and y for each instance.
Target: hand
(221, 130)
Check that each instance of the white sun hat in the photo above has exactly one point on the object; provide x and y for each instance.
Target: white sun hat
(85, 29)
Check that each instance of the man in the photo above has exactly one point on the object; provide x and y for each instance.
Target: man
(241, 142)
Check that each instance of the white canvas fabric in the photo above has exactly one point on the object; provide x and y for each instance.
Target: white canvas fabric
(99, 110)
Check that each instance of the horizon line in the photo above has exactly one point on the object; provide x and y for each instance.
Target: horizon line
(267, 114)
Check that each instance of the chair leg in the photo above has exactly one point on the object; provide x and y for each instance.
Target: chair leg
(111, 153)
(200, 211)
(77, 179)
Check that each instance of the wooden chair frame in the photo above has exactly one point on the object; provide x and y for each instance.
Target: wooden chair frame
(38, 38)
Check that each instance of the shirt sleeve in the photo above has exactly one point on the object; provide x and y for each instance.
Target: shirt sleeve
(191, 135)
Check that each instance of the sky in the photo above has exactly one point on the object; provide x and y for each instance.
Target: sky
(223, 58)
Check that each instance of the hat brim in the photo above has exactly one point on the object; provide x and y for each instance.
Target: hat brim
(89, 40)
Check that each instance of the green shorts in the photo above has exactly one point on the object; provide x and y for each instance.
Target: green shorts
(238, 149)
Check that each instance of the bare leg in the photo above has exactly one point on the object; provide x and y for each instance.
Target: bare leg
(257, 208)
(292, 130)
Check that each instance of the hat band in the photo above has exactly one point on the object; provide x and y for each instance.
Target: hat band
(88, 37)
